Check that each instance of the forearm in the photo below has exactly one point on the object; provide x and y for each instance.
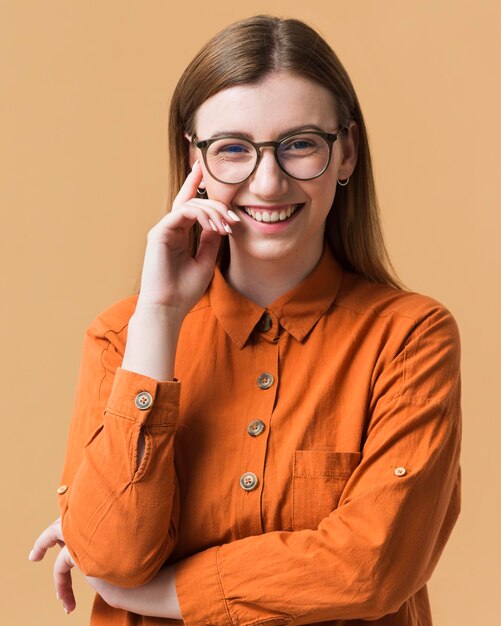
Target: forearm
(157, 598)
(104, 503)
(152, 341)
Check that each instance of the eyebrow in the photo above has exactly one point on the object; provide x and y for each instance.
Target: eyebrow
(285, 133)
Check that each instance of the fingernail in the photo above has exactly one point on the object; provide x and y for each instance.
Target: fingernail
(57, 596)
(233, 216)
(30, 556)
(66, 610)
(226, 226)
(212, 225)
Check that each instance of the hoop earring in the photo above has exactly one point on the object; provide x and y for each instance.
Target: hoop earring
(344, 181)
(202, 193)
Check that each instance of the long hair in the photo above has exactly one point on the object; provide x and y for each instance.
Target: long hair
(245, 53)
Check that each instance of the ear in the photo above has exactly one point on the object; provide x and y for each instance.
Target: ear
(192, 151)
(349, 142)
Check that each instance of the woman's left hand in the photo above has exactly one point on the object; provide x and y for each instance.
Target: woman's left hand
(63, 564)
(157, 598)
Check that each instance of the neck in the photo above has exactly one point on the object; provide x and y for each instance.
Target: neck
(265, 280)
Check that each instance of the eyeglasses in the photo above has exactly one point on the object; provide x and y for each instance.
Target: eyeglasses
(303, 156)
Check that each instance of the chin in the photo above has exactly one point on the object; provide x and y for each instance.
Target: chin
(264, 250)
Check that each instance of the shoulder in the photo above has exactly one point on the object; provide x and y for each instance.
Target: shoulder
(406, 313)
(363, 297)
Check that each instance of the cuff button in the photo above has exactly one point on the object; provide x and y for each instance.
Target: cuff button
(62, 489)
(400, 471)
(143, 400)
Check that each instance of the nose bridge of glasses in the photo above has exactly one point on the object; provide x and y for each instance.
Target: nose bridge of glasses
(266, 144)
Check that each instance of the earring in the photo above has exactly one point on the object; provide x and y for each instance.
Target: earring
(343, 182)
(201, 193)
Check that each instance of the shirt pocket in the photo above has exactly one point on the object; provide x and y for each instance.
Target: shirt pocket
(318, 480)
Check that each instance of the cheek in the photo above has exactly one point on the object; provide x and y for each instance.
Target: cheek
(324, 192)
(220, 192)
(216, 190)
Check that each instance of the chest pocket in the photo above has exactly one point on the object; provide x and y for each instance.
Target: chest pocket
(318, 480)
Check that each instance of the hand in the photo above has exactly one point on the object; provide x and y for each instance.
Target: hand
(63, 564)
(171, 277)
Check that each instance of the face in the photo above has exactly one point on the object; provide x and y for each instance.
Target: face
(267, 111)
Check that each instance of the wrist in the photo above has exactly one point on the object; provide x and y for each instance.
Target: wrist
(152, 338)
(169, 317)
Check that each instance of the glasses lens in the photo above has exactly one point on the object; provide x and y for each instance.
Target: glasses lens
(304, 155)
(231, 160)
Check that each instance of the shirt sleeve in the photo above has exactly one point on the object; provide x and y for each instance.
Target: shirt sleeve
(104, 494)
(380, 546)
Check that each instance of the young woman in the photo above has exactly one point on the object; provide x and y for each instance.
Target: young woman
(269, 432)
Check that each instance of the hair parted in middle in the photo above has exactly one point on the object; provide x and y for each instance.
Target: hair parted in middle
(246, 53)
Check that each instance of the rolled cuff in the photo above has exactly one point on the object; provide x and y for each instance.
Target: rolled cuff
(157, 407)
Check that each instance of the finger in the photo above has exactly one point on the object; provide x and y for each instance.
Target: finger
(184, 218)
(190, 185)
(62, 580)
(49, 538)
(222, 217)
(208, 249)
(221, 207)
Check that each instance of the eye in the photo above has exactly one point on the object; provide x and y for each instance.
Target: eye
(231, 148)
(304, 146)
(234, 148)
(298, 144)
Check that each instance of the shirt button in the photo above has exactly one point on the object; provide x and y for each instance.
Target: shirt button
(143, 400)
(400, 471)
(62, 489)
(265, 323)
(248, 481)
(265, 381)
(255, 428)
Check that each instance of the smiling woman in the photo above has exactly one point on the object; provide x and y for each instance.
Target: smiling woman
(269, 432)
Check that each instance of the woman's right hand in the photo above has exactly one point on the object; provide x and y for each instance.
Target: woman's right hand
(171, 277)
(172, 280)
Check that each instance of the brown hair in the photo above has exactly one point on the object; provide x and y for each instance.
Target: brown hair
(245, 53)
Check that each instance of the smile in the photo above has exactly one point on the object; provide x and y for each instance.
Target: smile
(278, 215)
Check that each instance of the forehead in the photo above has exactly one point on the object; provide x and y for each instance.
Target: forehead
(269, 108)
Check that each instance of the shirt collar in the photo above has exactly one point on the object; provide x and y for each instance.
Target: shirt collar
(297, 311)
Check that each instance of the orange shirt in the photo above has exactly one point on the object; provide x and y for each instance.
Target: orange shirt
(304, 470)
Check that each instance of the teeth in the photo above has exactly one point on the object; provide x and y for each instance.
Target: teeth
(274, 216)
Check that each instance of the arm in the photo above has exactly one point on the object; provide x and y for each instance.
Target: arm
(106, 489)
(119, 482)
(115, 494)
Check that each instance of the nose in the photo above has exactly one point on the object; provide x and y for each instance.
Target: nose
(268, 180)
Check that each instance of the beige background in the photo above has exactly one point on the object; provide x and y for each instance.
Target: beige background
(85, 89)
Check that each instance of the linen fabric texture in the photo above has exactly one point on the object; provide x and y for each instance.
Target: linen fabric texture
(358, 475)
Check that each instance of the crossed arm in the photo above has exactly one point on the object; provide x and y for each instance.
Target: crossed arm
(156, 598)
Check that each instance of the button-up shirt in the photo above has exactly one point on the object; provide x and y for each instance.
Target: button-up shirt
(302, 468)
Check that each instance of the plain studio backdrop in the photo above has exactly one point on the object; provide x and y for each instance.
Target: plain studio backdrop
(85, 90)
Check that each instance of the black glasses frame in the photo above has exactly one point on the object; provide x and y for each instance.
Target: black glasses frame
(329, 138)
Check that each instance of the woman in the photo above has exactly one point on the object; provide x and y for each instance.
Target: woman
(269, 432)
